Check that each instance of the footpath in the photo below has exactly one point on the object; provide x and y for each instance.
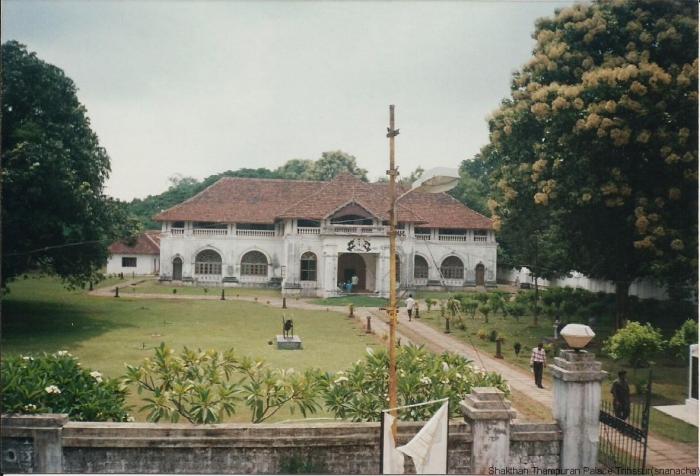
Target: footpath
(661, 453)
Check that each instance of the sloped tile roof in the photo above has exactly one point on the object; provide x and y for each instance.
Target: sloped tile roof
(245, 200)
(147, 243)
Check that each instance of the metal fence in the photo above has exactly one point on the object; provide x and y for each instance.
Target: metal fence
(622, 443)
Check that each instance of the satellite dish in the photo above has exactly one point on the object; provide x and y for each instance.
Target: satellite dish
(436, 180)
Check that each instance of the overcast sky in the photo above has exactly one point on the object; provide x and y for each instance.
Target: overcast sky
(196, 88)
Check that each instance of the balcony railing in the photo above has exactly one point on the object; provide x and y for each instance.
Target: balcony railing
(308, 230)
(255, 232)
(480, 238)
(354, 230)
(422, 237)
(177, 231)
(209, 232)
(452, 237)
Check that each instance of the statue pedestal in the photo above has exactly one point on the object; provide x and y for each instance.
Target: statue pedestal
(288, 343)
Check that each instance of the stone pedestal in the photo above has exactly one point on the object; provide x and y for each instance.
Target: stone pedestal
(576, 406)
(288, 343)
(489, 414)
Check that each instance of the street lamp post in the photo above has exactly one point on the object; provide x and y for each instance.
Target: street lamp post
(437, 180)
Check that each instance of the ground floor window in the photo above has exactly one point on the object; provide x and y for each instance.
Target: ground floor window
(128, 262)
(308, 267)
(207, 262)
(254, 263)
(420, 268)
(452, 268)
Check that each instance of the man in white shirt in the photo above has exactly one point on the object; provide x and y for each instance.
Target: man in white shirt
(410, 304)
(537, 360)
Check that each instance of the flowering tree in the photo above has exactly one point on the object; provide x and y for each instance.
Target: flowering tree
(56, 383)
(361, 392)
(599, 139)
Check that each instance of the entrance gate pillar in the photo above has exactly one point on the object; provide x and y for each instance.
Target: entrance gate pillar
(576, 406)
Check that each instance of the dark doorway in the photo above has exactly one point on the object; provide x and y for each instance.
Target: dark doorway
(177, 269)
(479, 274)
(349, 265)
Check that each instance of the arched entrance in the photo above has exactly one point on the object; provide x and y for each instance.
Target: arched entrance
(479, 272)
(177, 269)
(349, 265)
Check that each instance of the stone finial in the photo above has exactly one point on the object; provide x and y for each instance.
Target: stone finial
(487, 403)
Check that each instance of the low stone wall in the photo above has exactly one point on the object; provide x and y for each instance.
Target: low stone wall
(50, 443)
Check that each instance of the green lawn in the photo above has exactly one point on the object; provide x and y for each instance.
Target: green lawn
(105, 333)
(151, 286)
(357, 301)
(669, 379)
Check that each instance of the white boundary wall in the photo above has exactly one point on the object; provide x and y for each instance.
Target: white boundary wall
(643, 289)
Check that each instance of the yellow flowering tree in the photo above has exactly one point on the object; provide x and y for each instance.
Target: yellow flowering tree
(599, 138)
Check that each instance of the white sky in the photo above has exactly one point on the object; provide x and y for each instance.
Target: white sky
(196, 88)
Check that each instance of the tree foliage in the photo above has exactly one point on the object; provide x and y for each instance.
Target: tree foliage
(360, 392)
(598, 141)
(206, 386)
(636, 343)
(54, 212)
(56, 383)
(684, 336)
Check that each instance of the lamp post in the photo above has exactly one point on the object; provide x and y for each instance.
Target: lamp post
(577, 336)
(436, 180)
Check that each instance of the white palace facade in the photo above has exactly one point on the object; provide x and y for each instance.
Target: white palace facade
(308, 237)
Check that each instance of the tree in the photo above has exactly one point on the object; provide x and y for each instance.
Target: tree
(335, 162)
(296, 169)
(684, 336)
(636, 343)
(600, 136)
(55, 215)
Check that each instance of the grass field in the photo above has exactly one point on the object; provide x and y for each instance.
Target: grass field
(105, 333)
(669, 379)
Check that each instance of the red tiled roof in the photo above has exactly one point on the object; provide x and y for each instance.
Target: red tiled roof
(245, 200)
(242, 200)
(147, 243)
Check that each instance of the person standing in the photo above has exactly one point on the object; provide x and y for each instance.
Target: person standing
(354, 281)
(537, 360)
(621, 396)
(410, 305)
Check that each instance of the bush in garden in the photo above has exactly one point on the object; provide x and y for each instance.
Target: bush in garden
(686, 335)
(517, 310)
(497, 301)
(481, 334)
(481, 297)
(493, 335)
(429, 303)
(469, 305)
(517, 347)
(205, 386)
(360, 393)
(485, 309)
(635, 343)
(56, 383)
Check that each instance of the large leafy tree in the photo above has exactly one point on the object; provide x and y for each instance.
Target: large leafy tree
(600, 134)
(54, 213)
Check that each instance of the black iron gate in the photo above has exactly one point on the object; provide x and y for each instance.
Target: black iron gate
(623, 443)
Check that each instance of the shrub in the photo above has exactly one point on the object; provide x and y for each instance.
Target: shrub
(517, 347)
(481, 297)
(204, 386)
(429, 303)
(470, 306)
(493, 335)
(686, 335)
(481, 333)
(636, 343)
(485, 309)
(360, 392)
(56, 383)
(454, 307)
(517, 310)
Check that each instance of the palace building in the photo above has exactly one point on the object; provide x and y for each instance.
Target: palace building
(311, 237)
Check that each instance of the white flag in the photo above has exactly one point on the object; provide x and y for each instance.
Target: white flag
(428, 449)
(392, 462)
